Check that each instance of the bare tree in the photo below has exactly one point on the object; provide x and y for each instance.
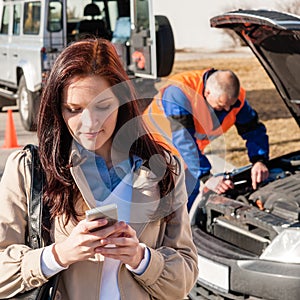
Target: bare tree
(292, 6)
(235, 39)
(71, 13)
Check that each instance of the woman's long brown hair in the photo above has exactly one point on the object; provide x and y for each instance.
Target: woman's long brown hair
(86, 58)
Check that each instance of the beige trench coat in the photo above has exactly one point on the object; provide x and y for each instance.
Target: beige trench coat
(172, 270)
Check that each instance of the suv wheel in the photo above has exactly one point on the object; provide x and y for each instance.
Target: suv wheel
(28, 106)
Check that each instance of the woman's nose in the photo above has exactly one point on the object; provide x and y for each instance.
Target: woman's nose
(88, 118)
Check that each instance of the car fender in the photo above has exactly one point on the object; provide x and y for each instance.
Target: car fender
(31, 74)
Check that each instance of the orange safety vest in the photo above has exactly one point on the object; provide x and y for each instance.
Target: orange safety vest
(191, 83)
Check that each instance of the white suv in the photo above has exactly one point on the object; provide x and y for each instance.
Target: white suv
(33, 33)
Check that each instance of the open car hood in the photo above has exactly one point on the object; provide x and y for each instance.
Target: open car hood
(274, 37)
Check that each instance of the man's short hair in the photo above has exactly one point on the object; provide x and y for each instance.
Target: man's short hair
(223, 81)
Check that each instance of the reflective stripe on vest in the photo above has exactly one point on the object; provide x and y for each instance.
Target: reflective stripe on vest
(158, 125)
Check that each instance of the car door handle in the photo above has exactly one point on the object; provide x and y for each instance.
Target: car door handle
(15, 55)
(4, 54)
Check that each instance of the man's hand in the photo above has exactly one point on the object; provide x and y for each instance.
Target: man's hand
(219, 184)
(259, 173)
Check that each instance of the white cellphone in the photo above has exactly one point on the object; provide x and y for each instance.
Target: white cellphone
(108, 212)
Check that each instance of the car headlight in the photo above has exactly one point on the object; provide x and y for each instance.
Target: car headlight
(285, 247)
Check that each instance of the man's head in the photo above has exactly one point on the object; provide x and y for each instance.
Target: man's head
(222, 89)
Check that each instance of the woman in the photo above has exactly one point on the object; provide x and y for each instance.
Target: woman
(95, 151)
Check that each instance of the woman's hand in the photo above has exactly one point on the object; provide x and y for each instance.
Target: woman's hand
(118, 241)
(123, 245)
(81, 243)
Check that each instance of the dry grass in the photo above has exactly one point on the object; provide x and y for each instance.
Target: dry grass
(283, 131)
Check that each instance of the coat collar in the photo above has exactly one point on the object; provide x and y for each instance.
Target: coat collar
(145, 202)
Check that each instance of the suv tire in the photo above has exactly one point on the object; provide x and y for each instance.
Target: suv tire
(165, 48)
(28, 105)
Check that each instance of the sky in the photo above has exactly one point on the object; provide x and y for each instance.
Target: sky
(190, 19)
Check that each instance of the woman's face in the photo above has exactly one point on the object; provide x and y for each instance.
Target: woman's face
(90, 110)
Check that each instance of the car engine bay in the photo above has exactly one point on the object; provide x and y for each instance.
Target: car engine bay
(250, 219)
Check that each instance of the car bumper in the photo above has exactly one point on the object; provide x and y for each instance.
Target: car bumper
(229, 271)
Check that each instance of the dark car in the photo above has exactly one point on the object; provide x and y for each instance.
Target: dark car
(248, 240)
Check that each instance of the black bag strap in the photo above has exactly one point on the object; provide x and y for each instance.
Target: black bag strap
(35, 205)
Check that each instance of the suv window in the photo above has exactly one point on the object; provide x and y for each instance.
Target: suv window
(55, 17)
(142, 21)
(32, 16)
(17, 17)
(5, 20)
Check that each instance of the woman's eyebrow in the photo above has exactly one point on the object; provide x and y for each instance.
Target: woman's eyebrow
(68, 103)
(100, 100)
(95, 100)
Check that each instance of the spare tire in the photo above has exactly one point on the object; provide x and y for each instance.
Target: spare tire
(165, 47)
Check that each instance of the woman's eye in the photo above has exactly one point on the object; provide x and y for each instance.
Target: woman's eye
(74, 110)
(106, 107)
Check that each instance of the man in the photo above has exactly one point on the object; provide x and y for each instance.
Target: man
(194, 108)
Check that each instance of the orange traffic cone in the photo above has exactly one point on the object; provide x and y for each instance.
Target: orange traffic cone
(10, 132)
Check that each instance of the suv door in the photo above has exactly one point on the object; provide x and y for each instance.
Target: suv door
(152, 41)
(143, 39)
(4, 41)
(14, 48)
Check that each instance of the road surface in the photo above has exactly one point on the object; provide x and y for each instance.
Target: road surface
(23, 137)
